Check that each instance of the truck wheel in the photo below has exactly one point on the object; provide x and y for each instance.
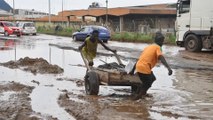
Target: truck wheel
(6, 33)
(91, 83)
(193, 43)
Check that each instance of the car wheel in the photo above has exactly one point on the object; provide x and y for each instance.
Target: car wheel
(193, 43)
(91, 83)
(6, 33)
(34, 33)
(18, 35)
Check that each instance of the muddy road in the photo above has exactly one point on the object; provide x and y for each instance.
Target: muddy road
(56, 91)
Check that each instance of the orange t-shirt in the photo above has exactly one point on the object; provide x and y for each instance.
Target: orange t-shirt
(148, 59)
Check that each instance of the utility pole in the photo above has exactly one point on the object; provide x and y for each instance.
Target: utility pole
(49, 13)
(62, 12)
(32, 14)
(106, 12)
(13, 10)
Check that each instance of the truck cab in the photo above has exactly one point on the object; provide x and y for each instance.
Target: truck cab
(194, 24)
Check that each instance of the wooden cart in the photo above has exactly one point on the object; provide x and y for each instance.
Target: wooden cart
(96, 76)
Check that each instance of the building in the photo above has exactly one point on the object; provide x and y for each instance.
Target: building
(149, 18)
(29, 14)
(143, 19)
(4, 13)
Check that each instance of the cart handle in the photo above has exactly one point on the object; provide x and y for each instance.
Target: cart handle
(118, 58)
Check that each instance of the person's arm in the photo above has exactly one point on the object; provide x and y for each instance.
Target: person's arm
(107, 48)
(80, 47)
(163, 60)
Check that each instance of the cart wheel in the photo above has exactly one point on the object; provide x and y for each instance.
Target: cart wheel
(135, 89)
(92, 83)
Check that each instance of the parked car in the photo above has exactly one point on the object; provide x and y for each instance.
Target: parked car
(84, 32)
(27, 28)
(9, 28)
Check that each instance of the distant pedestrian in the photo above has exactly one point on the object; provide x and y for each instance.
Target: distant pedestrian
(147, 60)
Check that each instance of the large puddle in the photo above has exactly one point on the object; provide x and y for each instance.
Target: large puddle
(186, 94)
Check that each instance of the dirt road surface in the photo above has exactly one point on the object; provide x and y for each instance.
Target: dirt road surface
(53, 88)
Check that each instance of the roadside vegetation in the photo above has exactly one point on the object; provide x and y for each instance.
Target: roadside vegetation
(122, 37)
(139, 37)
(53, 31)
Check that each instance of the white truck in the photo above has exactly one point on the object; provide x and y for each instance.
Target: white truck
(194, 24)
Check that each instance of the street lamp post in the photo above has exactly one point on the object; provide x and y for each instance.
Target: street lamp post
(106, 12)
(49, 13)
(62, 12)
(32, 14)
(13, 10)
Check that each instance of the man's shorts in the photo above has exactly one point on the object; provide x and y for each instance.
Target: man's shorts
(147, 80)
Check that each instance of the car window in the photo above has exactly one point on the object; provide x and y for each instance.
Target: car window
(82, 30)
(9, 24)
(100, 29)
(87, 29)
(29, 25)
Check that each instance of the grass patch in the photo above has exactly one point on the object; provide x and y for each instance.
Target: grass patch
(139, 37)
(51, 31)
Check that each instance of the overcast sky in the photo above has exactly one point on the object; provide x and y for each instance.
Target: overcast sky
(56, 5)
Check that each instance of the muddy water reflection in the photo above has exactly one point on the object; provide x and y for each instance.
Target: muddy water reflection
(200, 84)
(44, 96)
(186, 94)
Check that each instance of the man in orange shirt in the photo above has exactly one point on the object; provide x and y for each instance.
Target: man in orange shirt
(147, 60)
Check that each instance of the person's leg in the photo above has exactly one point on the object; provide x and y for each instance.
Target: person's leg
(147, 80)
(142, 88)
(88, 58)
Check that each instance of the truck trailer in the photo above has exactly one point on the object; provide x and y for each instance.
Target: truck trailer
(194, 24)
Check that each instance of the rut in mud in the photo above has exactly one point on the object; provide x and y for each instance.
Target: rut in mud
(15, 103)
(37, 65)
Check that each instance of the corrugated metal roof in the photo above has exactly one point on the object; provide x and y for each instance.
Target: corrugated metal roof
(5, 6)
(164, 9)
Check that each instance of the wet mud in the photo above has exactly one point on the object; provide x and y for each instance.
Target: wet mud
(37, 65)
(185, 95)
(114, 106)
(202, 56)
(15, 103)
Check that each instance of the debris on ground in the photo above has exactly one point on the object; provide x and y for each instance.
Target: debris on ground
(112, 65)
(34, 81)
(37, 65)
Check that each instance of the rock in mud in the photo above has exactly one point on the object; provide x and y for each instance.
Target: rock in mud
(37, 65)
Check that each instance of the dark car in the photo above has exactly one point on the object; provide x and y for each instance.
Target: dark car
(86, 31)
